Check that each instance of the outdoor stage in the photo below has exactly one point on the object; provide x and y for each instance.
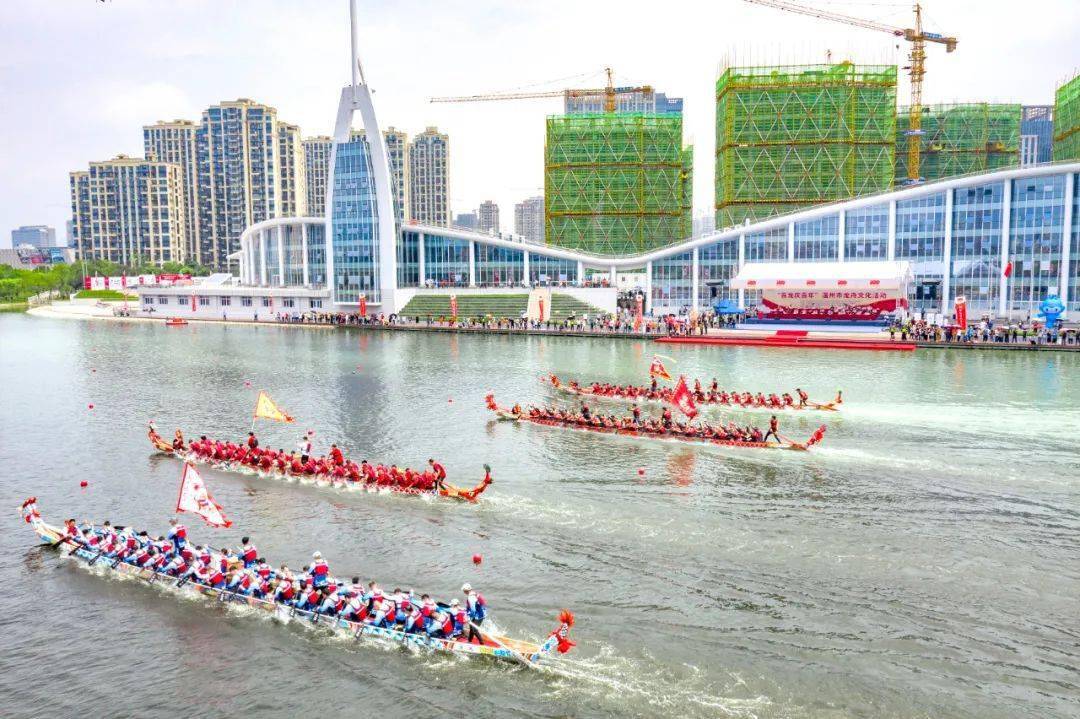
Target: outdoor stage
(801, 339)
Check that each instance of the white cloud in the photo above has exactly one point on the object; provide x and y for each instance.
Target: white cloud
(79, 79)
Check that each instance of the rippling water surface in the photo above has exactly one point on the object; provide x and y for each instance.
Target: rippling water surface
(923, 562)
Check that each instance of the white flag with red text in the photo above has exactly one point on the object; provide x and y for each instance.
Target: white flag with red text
(195, 498)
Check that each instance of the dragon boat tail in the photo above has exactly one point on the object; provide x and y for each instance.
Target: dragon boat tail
(526, 653)
(511, 416)
(446, 491)
(645, 395)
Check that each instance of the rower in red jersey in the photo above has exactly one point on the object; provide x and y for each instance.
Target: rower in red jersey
(803, 397)
(774, 430)
(336, 456)
(252, 443)
(440, 473)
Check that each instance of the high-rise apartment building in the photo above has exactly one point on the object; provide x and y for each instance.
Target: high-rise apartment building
(397, 155)
(292, 171)
(175, 142)
(529, 219)
(465, 221)
(40, 236)
(428, 160)
(316, 168)
(129, 209)
(487, 217)
(238, 175)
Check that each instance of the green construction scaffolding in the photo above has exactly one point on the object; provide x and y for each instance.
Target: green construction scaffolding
(792, 136)
(959, 139)
(1067, 121)
(616, 183)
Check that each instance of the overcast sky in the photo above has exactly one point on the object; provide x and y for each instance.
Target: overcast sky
(79, 78)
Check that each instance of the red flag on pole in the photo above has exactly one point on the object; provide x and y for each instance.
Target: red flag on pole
(657, 369)
(639, 314)
(1008, 269)
(683, 399)
(195, 498)
(193, 303)
(541, 309)
(961, 311)
(453, 305)
(363, 305)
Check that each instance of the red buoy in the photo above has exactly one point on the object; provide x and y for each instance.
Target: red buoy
(450, 401)
(83, 483)
(476, 559)
(90, 406)
(641, 471)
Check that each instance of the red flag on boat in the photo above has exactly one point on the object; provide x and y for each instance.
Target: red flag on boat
(657, 369)
(683, 399)
(1008, 269)
(195, 498)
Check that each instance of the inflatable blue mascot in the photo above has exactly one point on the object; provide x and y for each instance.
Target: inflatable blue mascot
(1050, 310)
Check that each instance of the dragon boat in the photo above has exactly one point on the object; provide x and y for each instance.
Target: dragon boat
(446, 491)
(526, 653)
(510, 415)
(642, 394)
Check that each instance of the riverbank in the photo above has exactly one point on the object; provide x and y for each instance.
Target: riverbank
(91, 311)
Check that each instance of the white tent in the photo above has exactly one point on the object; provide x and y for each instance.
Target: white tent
(894, 276)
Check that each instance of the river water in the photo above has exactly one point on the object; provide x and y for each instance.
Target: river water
(924, 561)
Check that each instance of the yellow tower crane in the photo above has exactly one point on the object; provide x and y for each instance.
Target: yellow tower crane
(610, 94)
(918, 39)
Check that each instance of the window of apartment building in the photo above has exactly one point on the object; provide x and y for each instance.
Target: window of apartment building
(245, 302)
(226, 301)
(181, 300)
(316, 304)
(288, 302)
(265, 301)
(204, 302)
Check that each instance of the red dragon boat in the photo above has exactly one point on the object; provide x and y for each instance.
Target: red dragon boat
(643, 394)
(518, 415)
(445, 491)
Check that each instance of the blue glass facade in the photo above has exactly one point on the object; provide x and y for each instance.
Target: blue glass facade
(672, 283)
(446, 261)
(976, 247)
(768, 246)
(817, 240)
(545, 270)
(717, 264)
(1035, 235)
(920, 239)
(866, 234)
(499, 266)
(354, 226)
(408, 259)
(316, 255)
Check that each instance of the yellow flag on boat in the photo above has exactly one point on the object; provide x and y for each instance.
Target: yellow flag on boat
(267, 409)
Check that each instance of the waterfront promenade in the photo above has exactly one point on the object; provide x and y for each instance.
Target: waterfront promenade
(596, 329)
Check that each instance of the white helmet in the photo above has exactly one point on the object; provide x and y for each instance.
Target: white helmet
(466, 587)
(317, 555)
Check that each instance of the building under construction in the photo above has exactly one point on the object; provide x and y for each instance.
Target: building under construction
(1067, 121)
(616, 183)
(959, 139)
(792, 136)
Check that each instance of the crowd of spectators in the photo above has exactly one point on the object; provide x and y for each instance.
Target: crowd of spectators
(986, 331)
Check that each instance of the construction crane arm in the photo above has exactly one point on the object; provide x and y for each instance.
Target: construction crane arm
(826, 15)
(498, 96)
